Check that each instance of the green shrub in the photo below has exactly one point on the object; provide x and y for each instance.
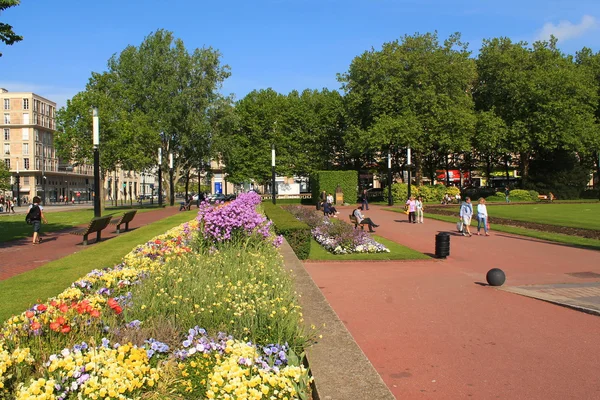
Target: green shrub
(590, 194)
(522, 195)
(329, 181)
(295, 232)
(430, 194)
(534, 195)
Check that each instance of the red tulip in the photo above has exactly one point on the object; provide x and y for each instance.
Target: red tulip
(41, 307)
(55, 326)
(35, 326)
(29, 314)
(65, 329)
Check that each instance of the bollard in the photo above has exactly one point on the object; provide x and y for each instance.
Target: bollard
(495, 277)
(442, 245)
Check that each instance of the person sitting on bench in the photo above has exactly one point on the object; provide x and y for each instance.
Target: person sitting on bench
(185, 206)
(329, 210)
(360, 219)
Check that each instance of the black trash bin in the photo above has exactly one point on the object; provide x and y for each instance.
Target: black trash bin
(442, 245)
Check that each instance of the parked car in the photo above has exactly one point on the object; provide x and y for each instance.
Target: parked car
(213, 198)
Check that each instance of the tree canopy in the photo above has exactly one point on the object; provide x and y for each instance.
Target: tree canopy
(7, 35)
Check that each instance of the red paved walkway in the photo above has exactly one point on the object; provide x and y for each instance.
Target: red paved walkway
(432, 332)
(18, 256)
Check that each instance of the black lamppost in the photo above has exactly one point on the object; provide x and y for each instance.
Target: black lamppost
(390, 199)
(96, 131)
(159, 177)
(171, 186)
(273, 172)
(408, 165)
(18, 178)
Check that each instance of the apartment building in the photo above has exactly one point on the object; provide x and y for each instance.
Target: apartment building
(28, 127)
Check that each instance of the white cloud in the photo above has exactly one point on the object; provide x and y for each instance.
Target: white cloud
(59, 95)
(566, 30)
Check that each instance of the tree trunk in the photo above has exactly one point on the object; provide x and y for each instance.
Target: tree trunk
(418, 169)
(524, 166)
(187, 184)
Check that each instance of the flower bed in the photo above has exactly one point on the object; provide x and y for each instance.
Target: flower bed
(133, 330)
(336, 236)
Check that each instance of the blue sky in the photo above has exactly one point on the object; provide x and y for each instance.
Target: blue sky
(283, 44)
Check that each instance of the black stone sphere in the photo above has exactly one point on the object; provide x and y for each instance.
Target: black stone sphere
(495, 277)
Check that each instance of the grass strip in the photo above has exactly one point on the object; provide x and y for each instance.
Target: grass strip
(397, 252)
(582, 216)
(574, 241)
(14, 226)
(20, 292)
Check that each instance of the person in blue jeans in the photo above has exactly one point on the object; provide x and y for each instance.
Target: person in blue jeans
(365, 200)
(482, 217)
(466, 213)
(507, 194)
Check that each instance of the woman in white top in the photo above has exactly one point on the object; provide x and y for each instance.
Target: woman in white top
(482, 217)
(419, 204)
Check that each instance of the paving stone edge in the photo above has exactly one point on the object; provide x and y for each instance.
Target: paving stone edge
(558, 300)
(340, 368)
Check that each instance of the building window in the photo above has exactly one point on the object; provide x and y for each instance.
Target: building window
(25, 149)
(6, 134)
(7, 104)
(6, 148)
(26, 180)
(37, 135)
(37, 163)
(25, 133)
(7, 118)
(26, 163)
(25, 118)
(25, 104)
(7, 162)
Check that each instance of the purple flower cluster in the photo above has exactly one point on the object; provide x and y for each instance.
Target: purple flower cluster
(198, 341)
(235, 220)
(336, 236)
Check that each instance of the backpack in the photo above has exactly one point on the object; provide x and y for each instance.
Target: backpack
(34, 214)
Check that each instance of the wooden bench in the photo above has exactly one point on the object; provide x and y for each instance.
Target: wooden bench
(355, 222)
(95, 225)
(123, 219)
(543, 197)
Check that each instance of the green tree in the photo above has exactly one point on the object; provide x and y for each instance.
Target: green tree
(154, 95)
(413, 92)
(4, 177)
(7, 35)
(545, 100)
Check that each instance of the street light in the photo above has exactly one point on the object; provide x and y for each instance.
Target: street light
(390, 199)
(273, 172)
(159, 177)
(96, 141)
(18, 185)
(408, 164)
(172, 188)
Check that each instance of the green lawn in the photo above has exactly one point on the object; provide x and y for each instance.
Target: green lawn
(14, 226)
(21, 291)
(574, 241)
(397, 252)
(586, 215)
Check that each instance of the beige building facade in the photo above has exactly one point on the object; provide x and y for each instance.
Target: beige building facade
(27, 129)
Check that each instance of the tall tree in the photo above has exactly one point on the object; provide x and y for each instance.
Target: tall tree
(7, 35)
(545, 100)
(154, 95)
(413, 92)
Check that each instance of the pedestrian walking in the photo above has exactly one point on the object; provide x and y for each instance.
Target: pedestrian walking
(482, 217)
(420, 208)
(507, 194)
(466, 214)
(365, 199)
(412, 209)
(35, 216)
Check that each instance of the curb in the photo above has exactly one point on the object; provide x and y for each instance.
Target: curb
(340, 369)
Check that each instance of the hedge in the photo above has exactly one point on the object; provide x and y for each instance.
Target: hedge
(296, 233)
(329, 181)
